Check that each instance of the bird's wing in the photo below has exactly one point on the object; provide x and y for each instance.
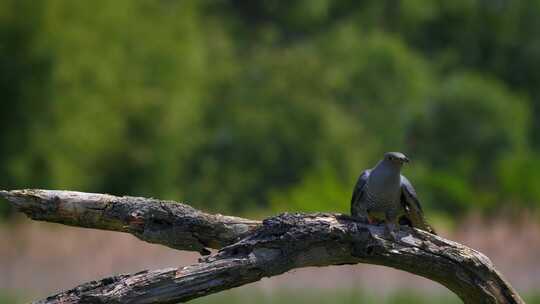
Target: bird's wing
(358, 190)
(411, 204)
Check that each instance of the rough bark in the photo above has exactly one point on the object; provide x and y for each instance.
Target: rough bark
(169, 223)
(277, 245)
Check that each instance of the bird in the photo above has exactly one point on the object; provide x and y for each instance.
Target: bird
(382, 194)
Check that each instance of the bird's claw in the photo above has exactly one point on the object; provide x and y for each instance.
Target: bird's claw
(390, 231)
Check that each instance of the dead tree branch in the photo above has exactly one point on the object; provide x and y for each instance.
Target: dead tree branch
(254, 251)
(168, 223)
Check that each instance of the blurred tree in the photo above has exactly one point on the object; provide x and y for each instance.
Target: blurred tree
(24, 85)
(377, 79)
(519, 177)
(241, 105)
(266, 133)
(472, 123)
(122, 116)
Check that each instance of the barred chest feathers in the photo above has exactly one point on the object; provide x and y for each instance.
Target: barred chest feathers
(384, 196)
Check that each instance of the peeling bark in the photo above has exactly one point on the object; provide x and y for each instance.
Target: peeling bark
(277, 245)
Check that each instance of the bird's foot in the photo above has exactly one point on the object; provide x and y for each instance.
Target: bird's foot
(390, 231)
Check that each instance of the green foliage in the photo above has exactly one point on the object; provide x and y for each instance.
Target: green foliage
(519, 177)
(237, 106)
(24, 81)
(8, 297)
(377, 80)
(117, 95)
(471, 124)
(332, 195)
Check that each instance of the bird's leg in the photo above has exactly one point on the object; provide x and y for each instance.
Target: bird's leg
(391, 226)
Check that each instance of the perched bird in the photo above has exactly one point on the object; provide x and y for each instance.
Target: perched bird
(382, 194)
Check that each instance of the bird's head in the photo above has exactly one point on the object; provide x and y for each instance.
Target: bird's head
(397, 158)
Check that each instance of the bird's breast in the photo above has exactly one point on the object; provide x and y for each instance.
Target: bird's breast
(383, 198)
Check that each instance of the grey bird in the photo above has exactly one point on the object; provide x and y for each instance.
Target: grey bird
(382, 194)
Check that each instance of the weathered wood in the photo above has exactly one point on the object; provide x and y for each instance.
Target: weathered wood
(169, 223)
(291, 241)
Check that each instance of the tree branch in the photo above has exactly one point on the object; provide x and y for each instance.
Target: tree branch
(291, 241)
(169, 223)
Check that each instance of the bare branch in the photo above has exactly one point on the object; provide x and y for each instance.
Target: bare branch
(251, 250)
(295, 240)
(169, 223)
